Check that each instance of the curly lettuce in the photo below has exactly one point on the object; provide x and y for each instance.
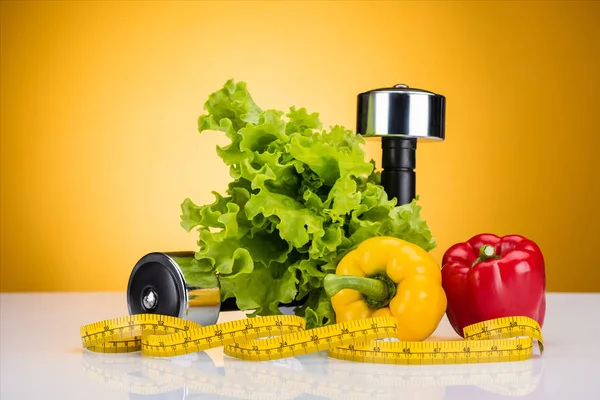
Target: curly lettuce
(300, 198)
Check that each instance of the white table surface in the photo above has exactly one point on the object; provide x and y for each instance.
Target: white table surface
(41, 358)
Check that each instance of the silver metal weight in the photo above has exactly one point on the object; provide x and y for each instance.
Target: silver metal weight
(401, 112)
(165, 283)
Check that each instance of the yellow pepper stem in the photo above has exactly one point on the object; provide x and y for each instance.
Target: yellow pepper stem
(376, 290)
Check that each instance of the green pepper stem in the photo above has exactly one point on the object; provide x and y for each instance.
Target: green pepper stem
(377, 290)
(374, 288)
(486, 252)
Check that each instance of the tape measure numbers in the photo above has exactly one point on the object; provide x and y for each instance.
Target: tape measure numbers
(497, 340)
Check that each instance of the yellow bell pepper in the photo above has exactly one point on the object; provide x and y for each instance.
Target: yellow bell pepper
(387, 276)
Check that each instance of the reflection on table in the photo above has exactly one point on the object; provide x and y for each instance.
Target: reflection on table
(196, 376)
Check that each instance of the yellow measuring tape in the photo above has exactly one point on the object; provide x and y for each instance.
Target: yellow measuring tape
(282, 336)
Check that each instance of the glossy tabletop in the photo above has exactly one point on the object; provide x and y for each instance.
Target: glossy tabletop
(42, 358)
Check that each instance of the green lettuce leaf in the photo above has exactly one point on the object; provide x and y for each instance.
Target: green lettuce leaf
(300, 198)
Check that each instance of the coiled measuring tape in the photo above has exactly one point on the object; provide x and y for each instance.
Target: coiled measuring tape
(283, 336)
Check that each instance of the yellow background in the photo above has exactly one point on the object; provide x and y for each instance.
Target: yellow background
(100, 102)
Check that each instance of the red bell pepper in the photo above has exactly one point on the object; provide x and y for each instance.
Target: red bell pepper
(492, 277)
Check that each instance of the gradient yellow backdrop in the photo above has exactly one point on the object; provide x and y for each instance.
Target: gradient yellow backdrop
(100, 102)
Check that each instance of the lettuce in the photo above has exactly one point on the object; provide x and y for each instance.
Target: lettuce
(300, 198)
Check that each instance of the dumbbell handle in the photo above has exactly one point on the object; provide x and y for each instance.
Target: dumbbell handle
(398, 164)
